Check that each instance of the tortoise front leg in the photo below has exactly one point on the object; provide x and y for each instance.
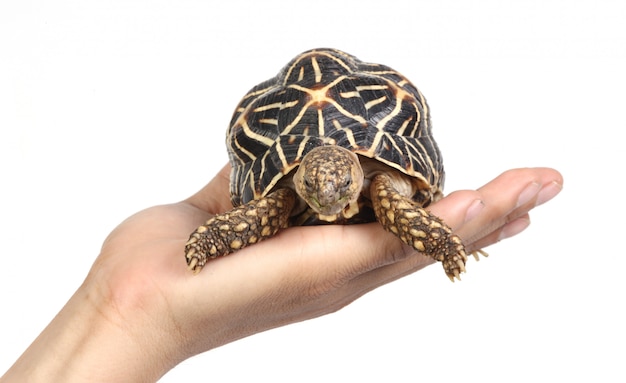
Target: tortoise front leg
(244, 225)
(416, 226)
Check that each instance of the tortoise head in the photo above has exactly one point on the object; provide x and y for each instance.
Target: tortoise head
(328, 179)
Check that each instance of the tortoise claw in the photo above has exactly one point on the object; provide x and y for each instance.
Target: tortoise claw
(477, 253)
(191, 265)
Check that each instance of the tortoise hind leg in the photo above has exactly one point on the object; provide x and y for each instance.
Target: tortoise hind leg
(244, 225)
(416, 226)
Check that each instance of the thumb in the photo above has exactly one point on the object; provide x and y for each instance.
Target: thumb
(214, 197)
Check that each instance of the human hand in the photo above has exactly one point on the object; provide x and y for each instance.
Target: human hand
(159, 313)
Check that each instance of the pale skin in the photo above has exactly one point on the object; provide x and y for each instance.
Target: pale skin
(140, 312)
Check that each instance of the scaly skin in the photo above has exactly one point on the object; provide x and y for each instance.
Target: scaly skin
(417, 227)
(244, 225)
(329, 180)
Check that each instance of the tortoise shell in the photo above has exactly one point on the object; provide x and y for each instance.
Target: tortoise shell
(329, 97)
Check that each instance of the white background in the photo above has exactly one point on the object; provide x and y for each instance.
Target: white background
(110, 107)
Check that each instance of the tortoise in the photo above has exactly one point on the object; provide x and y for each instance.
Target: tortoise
(331, 139)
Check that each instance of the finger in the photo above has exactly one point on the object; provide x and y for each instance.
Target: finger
(367, 256)
(214, 197)
(510, 196)
(343, 262)
(331, 256)
(321, 269)
(320, 259)
(500, 204)
(509, 230)
(455, 209)
(372, 248)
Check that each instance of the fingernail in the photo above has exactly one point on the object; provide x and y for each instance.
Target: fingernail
(548, 192)
(528, 194)
(513, 228)
(473, 210)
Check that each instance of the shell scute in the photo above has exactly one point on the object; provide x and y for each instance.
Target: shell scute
(323, 97)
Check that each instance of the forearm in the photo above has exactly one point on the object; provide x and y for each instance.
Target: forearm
(83, 343)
